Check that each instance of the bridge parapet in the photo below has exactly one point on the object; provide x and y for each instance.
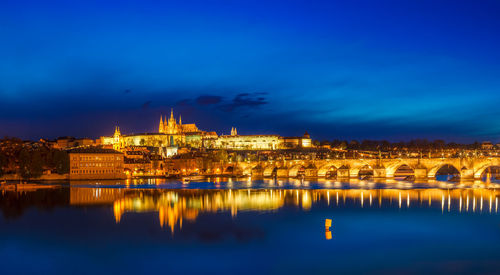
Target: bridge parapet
(425, 168)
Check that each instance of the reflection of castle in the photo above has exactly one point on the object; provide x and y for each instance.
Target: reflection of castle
(173, 207)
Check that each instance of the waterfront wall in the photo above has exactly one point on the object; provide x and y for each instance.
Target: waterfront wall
(48, 177)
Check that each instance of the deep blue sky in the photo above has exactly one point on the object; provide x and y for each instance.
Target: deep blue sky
(352, 70)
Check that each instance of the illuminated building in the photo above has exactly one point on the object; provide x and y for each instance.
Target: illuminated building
(95, 163)
(172, 133)
(245, 142)
(69, 142)
(234, 141)
(487, 145)
(171, 126)
(297, 142)
(134, 167)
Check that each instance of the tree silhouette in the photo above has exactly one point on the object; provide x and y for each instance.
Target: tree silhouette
(61, 162)
(3, 162)
(30, 164)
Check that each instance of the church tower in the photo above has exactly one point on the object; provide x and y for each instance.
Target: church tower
(172, 119)
(161, 128)
(172, 124)
(117, 138)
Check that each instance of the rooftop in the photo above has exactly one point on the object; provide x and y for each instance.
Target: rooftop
(146, 134)
(93, 150)
(226, 136)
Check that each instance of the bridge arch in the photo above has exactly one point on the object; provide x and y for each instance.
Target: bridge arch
(393, 167)
(482, 171)
(254, 170)
(297, 170)
(233, 170)
(364, 172)
(404, 171)
(270, 170)
(247, 170)
(229, 169)
(434, 170)
(327, 170)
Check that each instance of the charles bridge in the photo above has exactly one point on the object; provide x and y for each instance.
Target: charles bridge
(469, 168)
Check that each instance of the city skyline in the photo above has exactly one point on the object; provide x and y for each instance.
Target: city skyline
(385, 70)
(249, 137)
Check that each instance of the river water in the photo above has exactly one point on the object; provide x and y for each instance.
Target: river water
(250, 226)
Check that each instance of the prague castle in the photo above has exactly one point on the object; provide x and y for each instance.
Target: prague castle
(171, 126)
(172, 134)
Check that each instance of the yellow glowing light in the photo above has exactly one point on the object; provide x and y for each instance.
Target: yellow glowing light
(328, 235)
(328, 223)
(460, 204)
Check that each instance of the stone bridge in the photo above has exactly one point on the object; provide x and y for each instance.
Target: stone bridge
(424, 168)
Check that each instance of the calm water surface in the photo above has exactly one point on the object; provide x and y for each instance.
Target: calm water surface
(245, 226)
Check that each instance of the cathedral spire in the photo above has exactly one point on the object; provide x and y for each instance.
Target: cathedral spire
(171, 113)
(180, 120)
(161, 127)
(117, 139)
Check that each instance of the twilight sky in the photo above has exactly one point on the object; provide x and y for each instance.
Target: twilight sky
(392, 70)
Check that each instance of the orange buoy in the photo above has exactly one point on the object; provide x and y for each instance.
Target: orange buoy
(328, 223)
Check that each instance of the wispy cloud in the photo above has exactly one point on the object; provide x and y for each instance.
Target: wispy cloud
(208, 99)
(245, 100)
(146, 105)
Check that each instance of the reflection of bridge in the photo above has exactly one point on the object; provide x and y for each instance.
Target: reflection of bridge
(421, 168)
(174, 206)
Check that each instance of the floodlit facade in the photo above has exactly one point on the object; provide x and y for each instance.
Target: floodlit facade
(257, 142)
(246, 142)
(172, 127)
(173, 134)
(296, 142)
(95, 163)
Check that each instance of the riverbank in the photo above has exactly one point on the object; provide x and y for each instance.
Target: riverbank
(46, 177)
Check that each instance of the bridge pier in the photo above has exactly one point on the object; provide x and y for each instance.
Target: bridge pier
(420, 173)
(353, 173)
(379, 173)
(311, 172)
(282, 172)
(343, 173)
(467, 174)
(257, 172)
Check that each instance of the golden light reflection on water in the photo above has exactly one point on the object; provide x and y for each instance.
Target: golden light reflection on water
(174, 207)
